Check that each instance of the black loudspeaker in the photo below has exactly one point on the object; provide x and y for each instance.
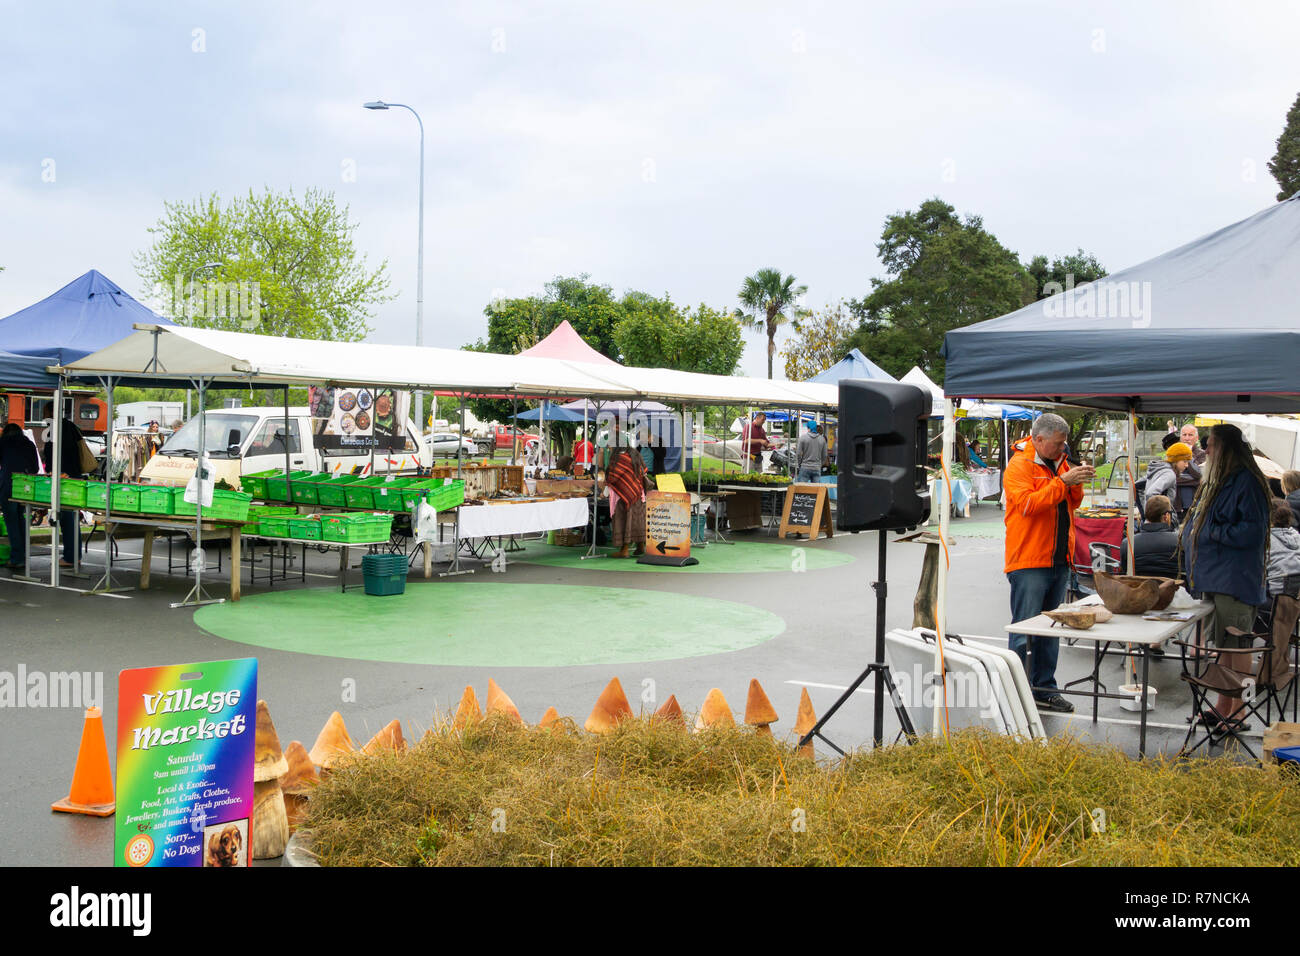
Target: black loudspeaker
(882, 447)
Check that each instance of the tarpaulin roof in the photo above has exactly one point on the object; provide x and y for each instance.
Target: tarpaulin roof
(1213, 325)
(565, 343)
(853, 365)
(88, 313)
(554, 413)
(175, 353)
(27, 371)
(918, 378)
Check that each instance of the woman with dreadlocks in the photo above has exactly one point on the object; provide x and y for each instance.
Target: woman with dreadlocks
(1225, 543)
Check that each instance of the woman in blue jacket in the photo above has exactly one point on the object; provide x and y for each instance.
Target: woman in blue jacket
(1225, 540)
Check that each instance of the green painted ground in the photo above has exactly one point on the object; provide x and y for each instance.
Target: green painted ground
(739, 558)
(482, 624)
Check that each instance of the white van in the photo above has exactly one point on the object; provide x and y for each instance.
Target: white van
(241, 441)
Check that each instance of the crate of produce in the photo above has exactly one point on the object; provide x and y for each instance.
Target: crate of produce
(330, 492)
(273, 527)
(305, 528)
(388, 496)
(158, 499)
(255, 482)
(226, 505)
(277, 485)
(305, 492)
(356, 528)
(25, 487)
(125, 497)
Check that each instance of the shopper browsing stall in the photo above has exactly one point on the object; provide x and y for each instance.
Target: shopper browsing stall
(17, 457)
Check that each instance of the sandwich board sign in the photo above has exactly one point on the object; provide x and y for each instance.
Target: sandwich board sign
(185, 747)
(667, 529)
(806, 511)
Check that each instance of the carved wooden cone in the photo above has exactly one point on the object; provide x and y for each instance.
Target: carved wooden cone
(467, 712)
(715, 712)
(805, 721)
(332, 743)
(499, 702)
(549, 718)
(670, 711)
(388, 738)
(297, 783)
(759, 712)
(270, 822)
(611, 707)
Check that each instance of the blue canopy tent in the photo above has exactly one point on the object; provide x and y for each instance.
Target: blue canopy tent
(27, 371)
(553, 413)
(853, 365)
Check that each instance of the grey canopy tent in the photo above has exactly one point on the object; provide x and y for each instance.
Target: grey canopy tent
(1213, 325)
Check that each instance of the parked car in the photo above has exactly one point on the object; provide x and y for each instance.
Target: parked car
(503, 436)
(445, 444)
(241, 441)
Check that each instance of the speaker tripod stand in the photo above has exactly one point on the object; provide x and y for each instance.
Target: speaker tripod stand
(878, 667)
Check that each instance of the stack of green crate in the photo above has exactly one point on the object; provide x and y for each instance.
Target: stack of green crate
(305, 527)
(277, 486)
(329, 493)
(226, 505)
(257, 512)
(356, 528)
(158, 499)
(255, 483)
(125, 497)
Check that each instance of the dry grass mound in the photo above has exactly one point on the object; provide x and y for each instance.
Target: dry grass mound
(653, 794)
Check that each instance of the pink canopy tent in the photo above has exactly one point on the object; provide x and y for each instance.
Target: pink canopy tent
(565, 343)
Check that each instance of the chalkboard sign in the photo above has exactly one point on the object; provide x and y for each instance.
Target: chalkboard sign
(806, 512)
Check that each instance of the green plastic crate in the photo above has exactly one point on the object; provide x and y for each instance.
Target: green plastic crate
(255, 482)
(450, 494)
(356, 528)
(72, 491)
(25, 487)
(251, 527)
(388, 496)
(305, 492)
(261, 511)
(330, 493)
(277, 487)
(4, 552)
(305, 528)
(226, 505)
(360, 494)
(158, 499)
(125, 497)
(41, 489)
(273, 527)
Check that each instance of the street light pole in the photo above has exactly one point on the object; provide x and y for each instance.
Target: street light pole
(419, 266)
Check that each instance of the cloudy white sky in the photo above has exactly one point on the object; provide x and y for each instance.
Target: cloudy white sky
(668, 147)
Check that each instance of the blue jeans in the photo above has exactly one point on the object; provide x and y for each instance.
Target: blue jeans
(812, 475)
(1033, 591)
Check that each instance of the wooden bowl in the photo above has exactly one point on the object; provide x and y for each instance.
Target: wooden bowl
(1134, 593)
(1076, 618)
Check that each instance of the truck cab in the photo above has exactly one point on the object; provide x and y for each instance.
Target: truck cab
(241, 441)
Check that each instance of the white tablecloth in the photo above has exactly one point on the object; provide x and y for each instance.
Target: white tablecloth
(985, 483)
(490, 521)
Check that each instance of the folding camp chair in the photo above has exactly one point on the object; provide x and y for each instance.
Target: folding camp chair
(1282, 621)
(1230, 672)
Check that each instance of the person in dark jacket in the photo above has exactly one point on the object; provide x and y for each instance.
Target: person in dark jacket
(1155, 544)
(69, 467)
(1225, 541)
(1291, 489)
(17, 457)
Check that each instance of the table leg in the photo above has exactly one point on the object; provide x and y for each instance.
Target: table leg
(303, 567)
(1142, 736)
(428, 559)
(1096, 677)
(343, 567)
(146, 558)
(235, 570)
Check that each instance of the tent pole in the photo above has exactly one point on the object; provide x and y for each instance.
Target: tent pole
(941, 608)
(196, 595)
(106, 582)
(514, 426)
(595, 482)
(54, 435)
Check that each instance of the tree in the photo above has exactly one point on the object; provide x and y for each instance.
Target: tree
(946, 272)
(1064, 273)
(288, 267)
(1285, 164)
(654, 333)
(819, 342)
(769, 299)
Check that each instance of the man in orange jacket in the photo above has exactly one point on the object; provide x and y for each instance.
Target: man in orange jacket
(1042, 492)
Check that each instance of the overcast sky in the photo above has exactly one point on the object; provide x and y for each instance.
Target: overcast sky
(672, 148)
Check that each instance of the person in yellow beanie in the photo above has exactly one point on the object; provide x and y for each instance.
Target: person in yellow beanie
(1163, 482)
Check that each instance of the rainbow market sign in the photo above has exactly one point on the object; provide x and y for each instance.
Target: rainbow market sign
(185, 745)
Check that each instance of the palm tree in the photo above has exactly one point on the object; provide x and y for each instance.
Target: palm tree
(769, 300)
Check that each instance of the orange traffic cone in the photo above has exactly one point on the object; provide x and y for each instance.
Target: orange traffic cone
(92, 781)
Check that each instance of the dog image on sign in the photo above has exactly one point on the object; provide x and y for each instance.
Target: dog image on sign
(667, 529)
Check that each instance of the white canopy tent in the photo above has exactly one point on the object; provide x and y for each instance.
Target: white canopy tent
(918, 378)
